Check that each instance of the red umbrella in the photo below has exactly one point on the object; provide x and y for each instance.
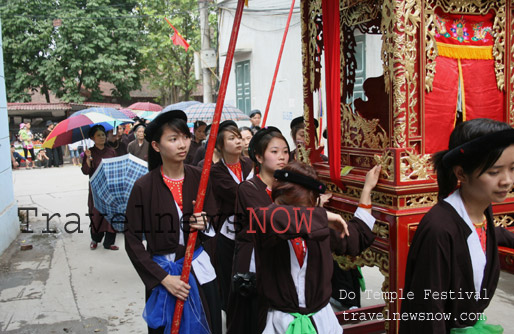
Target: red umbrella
(145, 106)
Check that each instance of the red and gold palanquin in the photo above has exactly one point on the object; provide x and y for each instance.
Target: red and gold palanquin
(428, 48)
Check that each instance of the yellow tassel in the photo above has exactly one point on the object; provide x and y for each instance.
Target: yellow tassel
(464, 51)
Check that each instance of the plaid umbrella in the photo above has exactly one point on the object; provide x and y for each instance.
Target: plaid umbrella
(77, 127)
(145, 106)
(112, 183)
(205, 112)
(180, 105)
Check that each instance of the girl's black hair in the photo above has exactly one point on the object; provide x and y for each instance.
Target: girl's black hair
(464, 132)
(260, 147)
(177, 125)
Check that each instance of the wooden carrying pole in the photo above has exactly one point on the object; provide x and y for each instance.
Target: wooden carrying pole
(278, 65)
(190, 248)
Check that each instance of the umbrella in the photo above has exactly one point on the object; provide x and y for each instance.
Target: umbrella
(112, 183)
(180, 105)
(111, 112)
(129, 113)
(205, 112)
(145, 106)
(75, 128)
(149, 115)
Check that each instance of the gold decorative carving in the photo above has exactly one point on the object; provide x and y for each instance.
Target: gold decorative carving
(315, 44)
(419, 200)
(499, 28)
(381, 229)
(430, 49)
(415, 167)
(371, 257)
(466, 7)
(382, 199)
(400, 21)
(386, 160)
(303, 154)
(359, 132)
(503, 220)
(377, 198)
(355, 12)
(511, 81)
(364, 161)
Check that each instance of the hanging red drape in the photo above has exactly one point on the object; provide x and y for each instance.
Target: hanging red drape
(464, 44)
(331, 41)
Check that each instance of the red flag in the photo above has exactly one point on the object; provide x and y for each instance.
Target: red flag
(176, 38)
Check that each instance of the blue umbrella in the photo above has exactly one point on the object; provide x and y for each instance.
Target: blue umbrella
(111, 185)
(180, 105)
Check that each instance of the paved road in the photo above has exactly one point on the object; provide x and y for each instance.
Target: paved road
(60, 286)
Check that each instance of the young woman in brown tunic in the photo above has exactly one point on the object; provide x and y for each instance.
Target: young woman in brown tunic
(269, 151)
(100, 227)
(160, 210)
(453, 266)
(226, 175)
(294, 250)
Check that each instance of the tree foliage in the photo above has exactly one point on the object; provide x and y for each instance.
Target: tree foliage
(93, 41)
(169, 68)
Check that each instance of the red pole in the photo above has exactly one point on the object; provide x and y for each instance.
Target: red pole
(278, 65)
(190, 248)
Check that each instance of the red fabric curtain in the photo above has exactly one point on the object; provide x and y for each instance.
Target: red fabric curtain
(332, 41)
(464, 44)
(441, 105)
(481, 98)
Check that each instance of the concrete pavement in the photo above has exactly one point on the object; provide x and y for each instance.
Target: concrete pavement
(60, 286)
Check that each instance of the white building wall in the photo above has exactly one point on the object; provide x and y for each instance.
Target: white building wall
(9, 224)
(259, 40)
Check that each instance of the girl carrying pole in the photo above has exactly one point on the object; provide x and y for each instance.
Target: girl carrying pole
(160, 210)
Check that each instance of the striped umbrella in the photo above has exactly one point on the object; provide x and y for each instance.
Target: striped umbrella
(76, 128)
(205, 112)
(180, 105)
(111, 112)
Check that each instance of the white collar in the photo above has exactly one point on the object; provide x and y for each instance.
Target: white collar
(476, 253)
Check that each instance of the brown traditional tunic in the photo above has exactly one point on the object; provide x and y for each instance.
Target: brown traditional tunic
(118, 146)
(98, 222)
(225, 188)
(439, 261)
(140, 151)
(243, 312)
(151, 210)
(273, 259)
